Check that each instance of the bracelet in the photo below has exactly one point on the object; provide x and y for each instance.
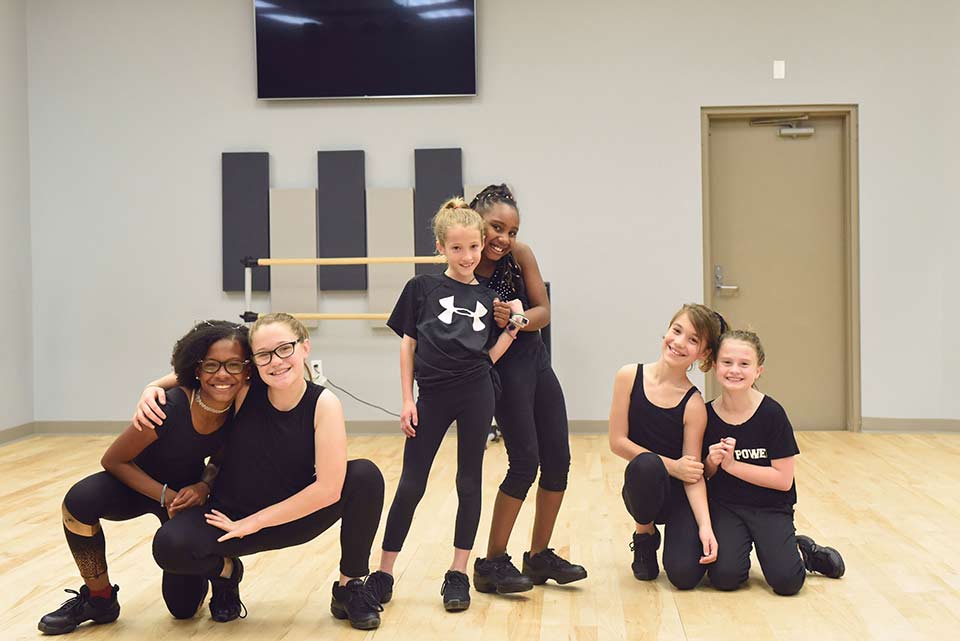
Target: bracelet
(163, 495)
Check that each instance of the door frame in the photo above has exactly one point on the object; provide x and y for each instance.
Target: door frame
(851, 227)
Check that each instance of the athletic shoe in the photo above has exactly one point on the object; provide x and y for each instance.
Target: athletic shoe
(826, 561)
(381, 584)
(500, 575)
(645, 546)
(225, 603)
(357, 602)
(548, 565)
(455, 591)
(80, 608)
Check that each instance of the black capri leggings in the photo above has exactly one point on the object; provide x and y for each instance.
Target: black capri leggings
(471, 405)
(532, 416)
(101, 496)
(187, 545)
(652, 495)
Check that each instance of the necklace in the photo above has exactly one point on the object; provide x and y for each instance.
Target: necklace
(212, 410)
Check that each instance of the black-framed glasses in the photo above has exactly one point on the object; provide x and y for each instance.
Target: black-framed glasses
(283, 350)
(212, 366)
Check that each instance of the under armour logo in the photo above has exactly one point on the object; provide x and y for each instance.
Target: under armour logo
(450, 309)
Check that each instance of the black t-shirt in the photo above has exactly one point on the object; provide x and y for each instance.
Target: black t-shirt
(178, 456)
(762, 438)
(270, 455)
(453, 325)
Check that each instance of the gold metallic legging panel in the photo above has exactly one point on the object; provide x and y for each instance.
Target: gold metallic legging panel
(87, 545)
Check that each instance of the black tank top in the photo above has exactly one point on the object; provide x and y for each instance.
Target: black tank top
(177, 456)
(507, 281)
(658, 429)
(270, 454)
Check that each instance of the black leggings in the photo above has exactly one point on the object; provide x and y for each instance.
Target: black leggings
(101, 496)
(652, 495)
(532, 417)
(187, 545)
(737, 529)
(471, 405)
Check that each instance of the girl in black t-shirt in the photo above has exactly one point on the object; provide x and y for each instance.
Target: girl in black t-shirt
(449, 343)
(749, 466)
(159, 472)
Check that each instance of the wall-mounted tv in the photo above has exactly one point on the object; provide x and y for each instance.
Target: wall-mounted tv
(365, 48)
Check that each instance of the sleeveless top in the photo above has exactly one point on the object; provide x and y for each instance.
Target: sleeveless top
(507, 281)
(658, 429)
(178, 455)
(270, 454)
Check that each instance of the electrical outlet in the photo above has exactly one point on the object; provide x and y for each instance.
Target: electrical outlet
(316, 368)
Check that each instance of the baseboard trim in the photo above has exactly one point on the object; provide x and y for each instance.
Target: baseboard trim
(872, 424)
(16, 433)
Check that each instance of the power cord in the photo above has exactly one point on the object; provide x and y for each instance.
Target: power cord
(382, 409)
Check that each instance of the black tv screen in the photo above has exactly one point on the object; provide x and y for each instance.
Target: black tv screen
(365, 48)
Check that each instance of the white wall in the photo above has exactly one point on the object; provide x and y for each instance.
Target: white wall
(16, 317)
(593, 116)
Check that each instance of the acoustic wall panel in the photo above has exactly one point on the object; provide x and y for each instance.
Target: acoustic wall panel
(245, 182)
(293, 233)
(389, 233)
(341, 218)
(439, 175)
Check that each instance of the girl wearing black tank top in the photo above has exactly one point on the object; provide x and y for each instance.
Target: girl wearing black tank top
(657, 420)
(155, 472)
(285, 479)
(749, 469)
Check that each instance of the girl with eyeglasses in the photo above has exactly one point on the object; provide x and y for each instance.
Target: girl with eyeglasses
(284, 480)
(159, 472)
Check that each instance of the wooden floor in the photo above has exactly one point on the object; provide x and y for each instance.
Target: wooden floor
(888, 502)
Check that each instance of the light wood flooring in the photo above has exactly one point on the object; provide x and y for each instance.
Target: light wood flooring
(889, 503)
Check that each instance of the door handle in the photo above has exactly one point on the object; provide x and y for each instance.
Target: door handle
(718, 281)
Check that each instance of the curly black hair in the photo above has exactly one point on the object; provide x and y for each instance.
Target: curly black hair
(508, 270)
(193, 347)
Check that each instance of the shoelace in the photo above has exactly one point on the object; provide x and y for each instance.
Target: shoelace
(376, 583)
(455, 581)
(366, 596)
(553, 560)
(224, 597)
(503, 567)
(73, 602)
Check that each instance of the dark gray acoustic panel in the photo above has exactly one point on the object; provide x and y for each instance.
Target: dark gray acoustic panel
(341, 218)
(246, 217)
(439, 176)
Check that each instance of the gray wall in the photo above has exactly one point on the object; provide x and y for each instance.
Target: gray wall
(594, 116)
(16, 319)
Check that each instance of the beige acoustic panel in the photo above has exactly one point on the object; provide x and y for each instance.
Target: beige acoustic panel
(293, 234)
(389, 233)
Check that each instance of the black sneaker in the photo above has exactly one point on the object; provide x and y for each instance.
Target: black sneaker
(826, 561)
(80, 608)
(645, 546)
(381, 584)
(499, 575)
(547, 565)
(455, 591)
(357, 602)
(225, 603)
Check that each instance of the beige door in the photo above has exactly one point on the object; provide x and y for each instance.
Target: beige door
(777, 241)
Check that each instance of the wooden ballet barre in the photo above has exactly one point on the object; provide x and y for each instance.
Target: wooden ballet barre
(360, 260)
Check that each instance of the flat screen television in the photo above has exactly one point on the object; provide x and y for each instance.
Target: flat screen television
(365, 48)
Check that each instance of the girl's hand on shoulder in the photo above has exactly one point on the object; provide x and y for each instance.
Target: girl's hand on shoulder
(688, 469)
(189, 496)
(233, 529)
(501, 313)
(149, 414)
(709, 542)
(408, 419)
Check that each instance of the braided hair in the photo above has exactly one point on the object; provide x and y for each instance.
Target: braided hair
(503, 279)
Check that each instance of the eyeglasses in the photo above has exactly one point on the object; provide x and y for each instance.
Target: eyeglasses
(283, 350)
(212, 366)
